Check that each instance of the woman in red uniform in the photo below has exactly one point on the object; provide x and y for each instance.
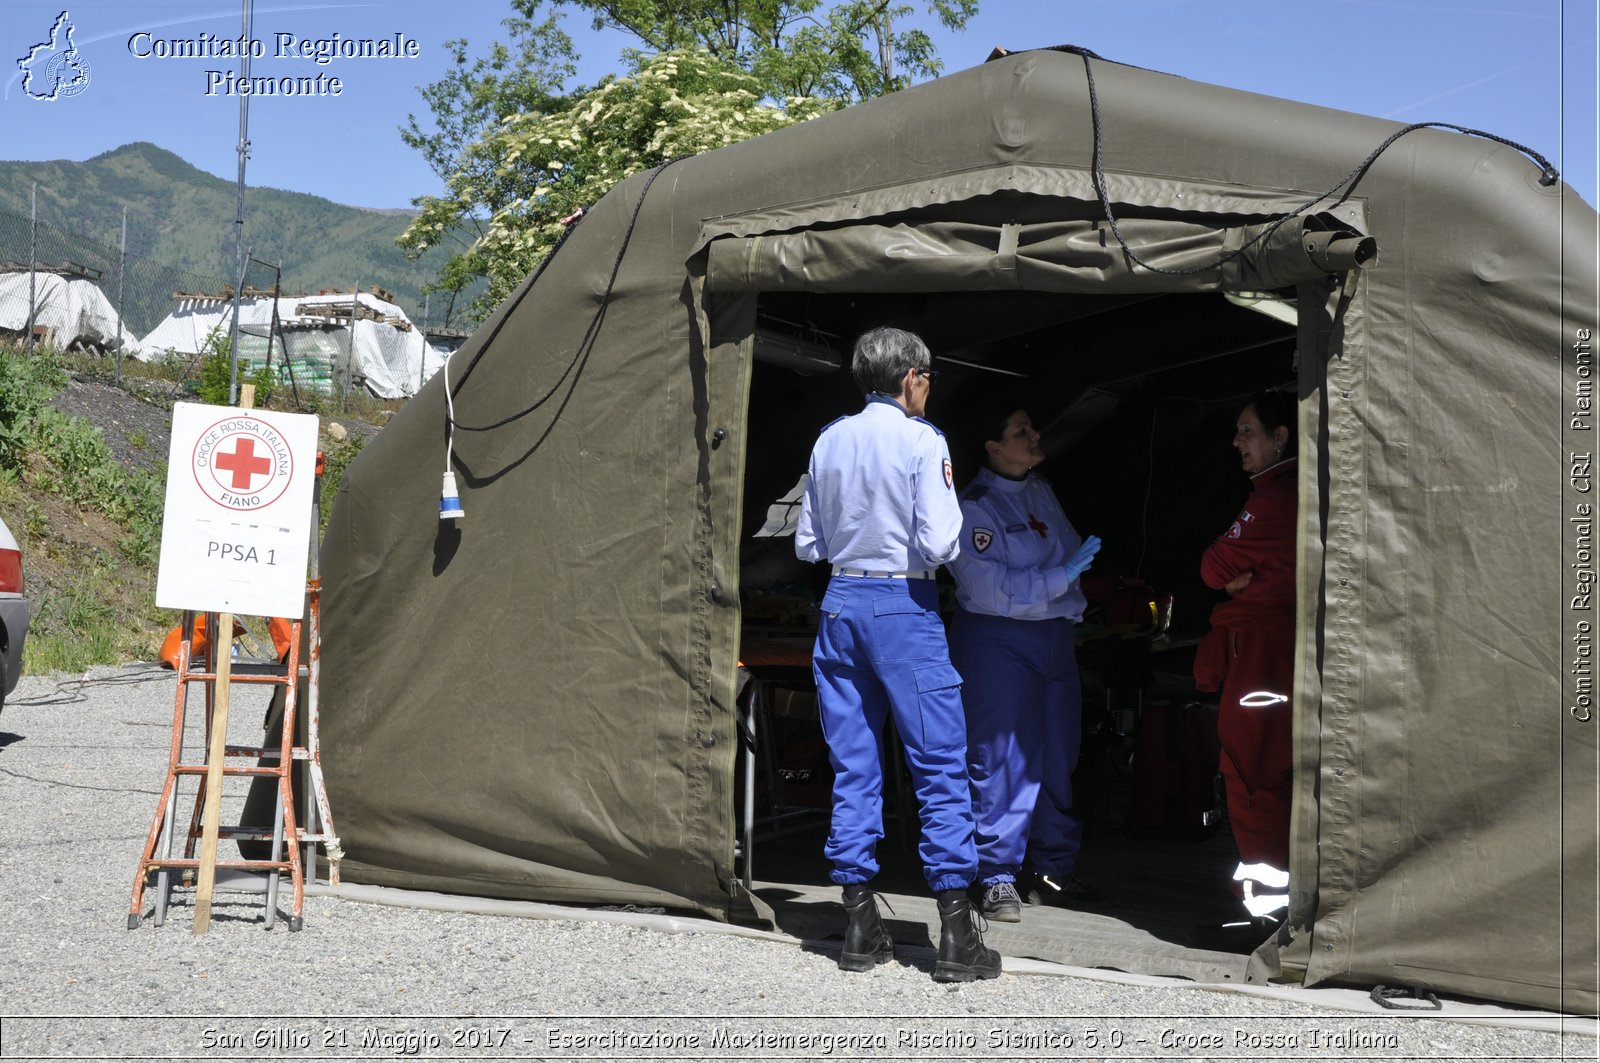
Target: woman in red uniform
(1249, 654)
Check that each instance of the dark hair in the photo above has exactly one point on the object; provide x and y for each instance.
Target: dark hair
(1276, 409)
(979, 418)
(882, 356)
(996, 415)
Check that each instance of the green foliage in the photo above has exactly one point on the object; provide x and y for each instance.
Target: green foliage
(265, 381)
(81, 469)
(87, 623)
(33, 517)
(144, 500)
(26, 386)
(104, 612)
(846, 50)
(337, 456)
(548, 165)
(173, 365)
(74, 448)
(468, 104)
(216, 369)
(517, 156)
(522, 77)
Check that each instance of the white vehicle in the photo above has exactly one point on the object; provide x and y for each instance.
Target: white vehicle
(13, 612)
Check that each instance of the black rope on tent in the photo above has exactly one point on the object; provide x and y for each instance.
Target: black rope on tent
(1548, 175)
(537, 273)
(589, 333)
(1073, 49)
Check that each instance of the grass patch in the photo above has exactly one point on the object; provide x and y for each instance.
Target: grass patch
(94, 620)
(89, 607)
(89, 529)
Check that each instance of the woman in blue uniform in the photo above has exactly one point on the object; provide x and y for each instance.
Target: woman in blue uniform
(1017, 599)
(880, 506)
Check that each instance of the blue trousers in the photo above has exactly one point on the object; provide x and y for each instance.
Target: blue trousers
(881, 650)
(1024, 708)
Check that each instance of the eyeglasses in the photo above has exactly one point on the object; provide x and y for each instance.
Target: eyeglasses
(931, 374)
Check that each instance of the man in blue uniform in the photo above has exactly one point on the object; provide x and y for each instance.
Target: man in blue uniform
(880, 505)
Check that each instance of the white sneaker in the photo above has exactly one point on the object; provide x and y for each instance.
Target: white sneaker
(1001, 903)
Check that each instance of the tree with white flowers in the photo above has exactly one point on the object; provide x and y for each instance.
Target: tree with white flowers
(540, 168)
(518, 155)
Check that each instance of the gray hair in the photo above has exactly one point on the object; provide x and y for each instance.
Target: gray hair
(882, 356)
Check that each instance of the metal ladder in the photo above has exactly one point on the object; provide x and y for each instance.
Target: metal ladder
(157, 865)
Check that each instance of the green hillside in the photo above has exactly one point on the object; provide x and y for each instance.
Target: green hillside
(182, 217)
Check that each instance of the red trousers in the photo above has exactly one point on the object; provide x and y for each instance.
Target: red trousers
(1250, 651)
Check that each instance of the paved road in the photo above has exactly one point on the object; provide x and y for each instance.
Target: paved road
(81, 764)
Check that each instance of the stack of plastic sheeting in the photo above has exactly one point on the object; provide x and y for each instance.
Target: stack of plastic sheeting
(385, 354)
(72, 310)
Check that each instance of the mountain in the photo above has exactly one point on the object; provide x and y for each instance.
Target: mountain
(181, 232)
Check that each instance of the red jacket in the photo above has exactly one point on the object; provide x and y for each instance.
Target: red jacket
(1261, 539)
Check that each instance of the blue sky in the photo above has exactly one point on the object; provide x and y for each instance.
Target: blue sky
(1524, 69)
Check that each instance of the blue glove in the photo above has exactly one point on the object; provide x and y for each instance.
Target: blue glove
(1079, 561)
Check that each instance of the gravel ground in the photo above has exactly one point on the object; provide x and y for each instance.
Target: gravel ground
(81, 765)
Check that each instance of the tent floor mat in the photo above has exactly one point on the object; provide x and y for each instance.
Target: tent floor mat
(1156, 892)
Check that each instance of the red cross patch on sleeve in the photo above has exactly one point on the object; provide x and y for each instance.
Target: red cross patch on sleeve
(949, 475)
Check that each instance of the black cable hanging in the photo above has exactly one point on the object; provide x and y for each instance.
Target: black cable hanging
(1548, 175)
(589, 333)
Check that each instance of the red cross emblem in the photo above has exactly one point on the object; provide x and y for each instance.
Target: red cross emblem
(242, 463)
(1039, 526)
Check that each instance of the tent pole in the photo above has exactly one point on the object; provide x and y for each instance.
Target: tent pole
(276, 329)
(238, 214)
(122, 265)
(350, 348)
(33, 260)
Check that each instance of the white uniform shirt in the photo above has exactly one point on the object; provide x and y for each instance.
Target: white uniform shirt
(880, 494)
(1014, 542)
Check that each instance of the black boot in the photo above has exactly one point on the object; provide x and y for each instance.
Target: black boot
(866, 942)
(962, 955)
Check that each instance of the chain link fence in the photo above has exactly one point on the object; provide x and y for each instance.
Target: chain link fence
(81, 294)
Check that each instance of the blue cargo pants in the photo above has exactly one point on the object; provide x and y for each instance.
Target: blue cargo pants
(881, 649)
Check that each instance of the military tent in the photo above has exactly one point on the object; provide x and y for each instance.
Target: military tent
(538, 701)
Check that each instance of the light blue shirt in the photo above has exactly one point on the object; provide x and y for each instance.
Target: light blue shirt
(879, 494)
(1014, 542)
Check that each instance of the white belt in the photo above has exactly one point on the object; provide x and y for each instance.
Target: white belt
(861, 573)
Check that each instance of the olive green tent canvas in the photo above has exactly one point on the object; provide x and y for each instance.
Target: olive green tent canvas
(538, 701)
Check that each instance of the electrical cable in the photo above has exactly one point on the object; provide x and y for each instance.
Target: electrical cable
(147, 674)
(589, 333)
(449, 416)
(449, 493)
(1548, 174)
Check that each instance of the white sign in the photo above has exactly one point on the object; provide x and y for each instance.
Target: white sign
(237, 531)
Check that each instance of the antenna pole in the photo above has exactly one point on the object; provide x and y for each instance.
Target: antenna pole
(238, 215)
